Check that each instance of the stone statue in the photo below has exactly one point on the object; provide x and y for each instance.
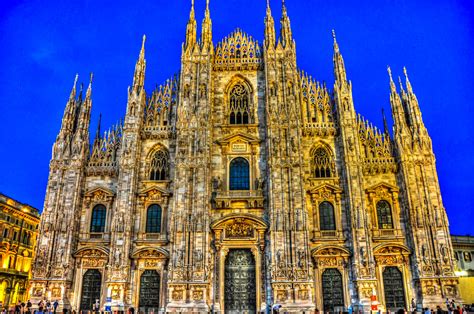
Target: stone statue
(117, 256)
(216, 183)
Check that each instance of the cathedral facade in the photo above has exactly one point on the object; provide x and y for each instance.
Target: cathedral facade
(242, 183)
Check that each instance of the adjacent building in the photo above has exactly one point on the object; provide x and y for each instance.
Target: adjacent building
(240, 183)
(18, 233)
(463, 247)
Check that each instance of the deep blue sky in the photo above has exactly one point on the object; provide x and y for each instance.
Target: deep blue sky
(44, 43)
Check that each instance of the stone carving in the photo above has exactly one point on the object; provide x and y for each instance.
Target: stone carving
(238, 230)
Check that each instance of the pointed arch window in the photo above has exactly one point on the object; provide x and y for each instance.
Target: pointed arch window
(153, 219)
(322, 163)
(99, 213)
(239, 106)
(326, 216)
(239, 174)
(159, 166)
(384, 215)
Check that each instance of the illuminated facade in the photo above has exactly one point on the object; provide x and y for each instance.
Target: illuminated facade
(241, 183)
(463, 247)
(18, 234)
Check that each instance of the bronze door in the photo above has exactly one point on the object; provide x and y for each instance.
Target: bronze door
(393, 288)
(149, 300)
(333, 291)
(91, 283)
(240, 291)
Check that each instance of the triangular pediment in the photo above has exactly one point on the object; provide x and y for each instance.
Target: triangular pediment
(239, 136)
(153, 190)
(99, 192)
(382, 185)
(325, 187)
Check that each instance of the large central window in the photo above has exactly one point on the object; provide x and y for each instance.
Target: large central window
(153, 219)
(239, 174)
(98, 218)
(239, 105)
(384, 215)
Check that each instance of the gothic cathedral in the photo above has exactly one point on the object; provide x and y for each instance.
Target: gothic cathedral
(242, 183)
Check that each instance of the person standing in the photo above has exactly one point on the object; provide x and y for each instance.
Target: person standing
(55, 306)
(413, 305)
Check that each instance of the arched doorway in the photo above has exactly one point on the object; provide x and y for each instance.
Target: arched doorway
(393, 288)
(91, 284)
(333, 291)
(149, 300)
(240, 285)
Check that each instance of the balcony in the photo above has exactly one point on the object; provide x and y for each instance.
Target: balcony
(154, 238)
(94, 237)
(325, 235)
(387, 234)
(238, 199)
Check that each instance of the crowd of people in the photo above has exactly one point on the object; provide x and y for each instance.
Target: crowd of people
(44, 307)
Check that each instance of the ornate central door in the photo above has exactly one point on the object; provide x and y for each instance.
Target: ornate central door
(333, 293)
(91, 283)
(149, 291)
(240, 291)
(393, 288)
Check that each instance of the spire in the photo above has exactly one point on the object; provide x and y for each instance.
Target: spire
(286, 36)
(398, 113)
(73, 90)
(207, 28)
(139, 75)
(97, 132)
(89, 88)
(407, 81)
(339, 68)
(69, 116)
(84, 115)
(385, 124)
(413, 107)
(393, 89)
(269, 27)
(191, 28)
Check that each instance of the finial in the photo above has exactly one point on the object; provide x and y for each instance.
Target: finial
(143, 41)
(268, 4)
(191, 13)
(409, 88)
(89, 88)
(401, 84)
(73, 90)
(283, 5)
(207, 5)
(336, 46)
(389, 73)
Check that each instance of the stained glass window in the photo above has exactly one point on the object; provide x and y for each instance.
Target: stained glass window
(153, 219)
(326, 216)
(384, 215)
(98, 218)
(239, 174)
